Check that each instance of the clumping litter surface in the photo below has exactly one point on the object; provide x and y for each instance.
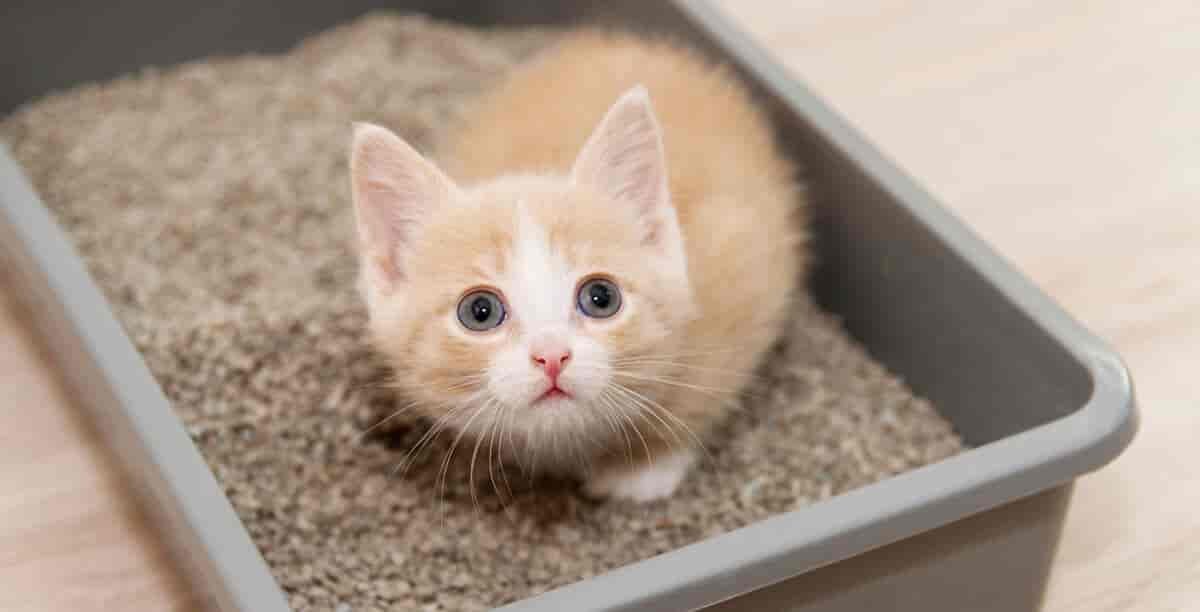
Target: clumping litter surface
(211, 203)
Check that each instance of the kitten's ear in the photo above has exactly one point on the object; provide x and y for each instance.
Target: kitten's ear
(624, 158)
(394, 190)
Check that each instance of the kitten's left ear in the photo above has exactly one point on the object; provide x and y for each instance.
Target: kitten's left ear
(624, 159)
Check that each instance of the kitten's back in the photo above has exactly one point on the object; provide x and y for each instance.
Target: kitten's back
(538, 119)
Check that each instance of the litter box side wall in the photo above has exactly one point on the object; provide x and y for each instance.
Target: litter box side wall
(107, 376)
(995, 561)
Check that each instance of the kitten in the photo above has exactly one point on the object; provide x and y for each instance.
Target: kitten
(606, 257)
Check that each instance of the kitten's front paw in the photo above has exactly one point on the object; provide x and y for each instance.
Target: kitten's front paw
(644, 483)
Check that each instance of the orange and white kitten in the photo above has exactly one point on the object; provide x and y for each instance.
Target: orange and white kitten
(605, 255)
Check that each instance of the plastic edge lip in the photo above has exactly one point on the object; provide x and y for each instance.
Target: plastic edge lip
(173, 473)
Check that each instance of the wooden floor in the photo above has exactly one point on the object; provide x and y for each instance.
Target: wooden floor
(1067, 133)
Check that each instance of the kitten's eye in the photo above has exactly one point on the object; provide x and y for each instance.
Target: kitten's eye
(599, 298)
(481, 311)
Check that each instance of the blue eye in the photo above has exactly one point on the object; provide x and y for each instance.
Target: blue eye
(599, 298)
(481, 311)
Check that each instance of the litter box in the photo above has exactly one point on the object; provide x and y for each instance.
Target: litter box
(1039, 399)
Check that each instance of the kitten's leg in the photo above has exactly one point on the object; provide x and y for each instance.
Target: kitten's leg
(642, 483)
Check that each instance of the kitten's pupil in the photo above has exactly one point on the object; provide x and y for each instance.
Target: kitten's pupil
(481, 309)
(600, 296)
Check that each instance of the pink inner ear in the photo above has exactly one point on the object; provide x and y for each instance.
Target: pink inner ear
(394, 190)
(624, 158)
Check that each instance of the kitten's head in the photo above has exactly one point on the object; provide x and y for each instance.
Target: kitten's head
(525, 299)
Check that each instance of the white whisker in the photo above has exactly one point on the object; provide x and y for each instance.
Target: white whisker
(440, 482)
(495, 426)
(643, 410)
(505, 410)
(607, 399)
(685, 366)
(438, 426)
(674, 383)
(674, 417)
(471, 470)
(409, 406)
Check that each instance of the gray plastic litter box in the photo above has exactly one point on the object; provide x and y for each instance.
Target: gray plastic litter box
(1040, 399)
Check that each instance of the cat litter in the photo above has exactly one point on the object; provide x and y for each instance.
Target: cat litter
(211, 203)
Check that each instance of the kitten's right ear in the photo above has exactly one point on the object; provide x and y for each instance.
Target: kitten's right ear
(624, 158)
(394, 190)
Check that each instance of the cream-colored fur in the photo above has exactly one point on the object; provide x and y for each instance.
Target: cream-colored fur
(610, 156)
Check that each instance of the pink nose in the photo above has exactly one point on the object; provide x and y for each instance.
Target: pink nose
(552, 361)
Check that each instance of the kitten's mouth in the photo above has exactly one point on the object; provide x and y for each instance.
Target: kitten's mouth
(554, 392)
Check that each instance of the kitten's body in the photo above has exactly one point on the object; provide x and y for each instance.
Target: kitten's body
(708, 262)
